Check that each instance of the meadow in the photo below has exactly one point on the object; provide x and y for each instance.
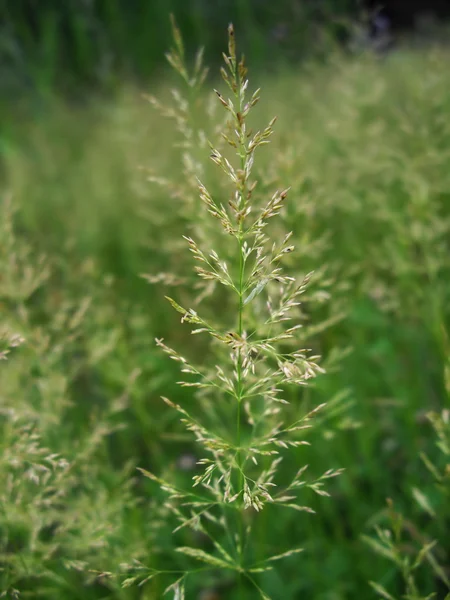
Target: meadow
(96, 198)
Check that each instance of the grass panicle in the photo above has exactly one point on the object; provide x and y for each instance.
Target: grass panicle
(241, 427)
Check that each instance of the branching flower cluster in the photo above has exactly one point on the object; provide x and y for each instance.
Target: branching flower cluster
(240, 423)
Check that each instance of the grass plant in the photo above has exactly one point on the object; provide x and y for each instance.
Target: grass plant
(363, 145)
(240, 425)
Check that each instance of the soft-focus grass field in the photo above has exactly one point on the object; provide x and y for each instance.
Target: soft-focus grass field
(364, 144)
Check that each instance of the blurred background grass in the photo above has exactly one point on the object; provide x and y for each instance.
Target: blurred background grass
(80, 42)
(364, 143)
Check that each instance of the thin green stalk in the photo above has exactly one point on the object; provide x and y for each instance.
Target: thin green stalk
(240, 333)
(238, 425)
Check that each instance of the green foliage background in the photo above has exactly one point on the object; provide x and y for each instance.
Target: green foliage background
(364, 144)
(76, 43)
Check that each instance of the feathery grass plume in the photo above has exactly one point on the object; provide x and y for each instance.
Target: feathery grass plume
(410, 551)
(184, 112)
(403, 542)
(196, 118)
(58, 515)
(194, 113)
(240, 422)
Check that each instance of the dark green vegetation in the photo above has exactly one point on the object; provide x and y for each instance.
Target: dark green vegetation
(365, 147)
(73, 43)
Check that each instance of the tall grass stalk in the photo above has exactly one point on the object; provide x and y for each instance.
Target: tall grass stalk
(240, 422)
